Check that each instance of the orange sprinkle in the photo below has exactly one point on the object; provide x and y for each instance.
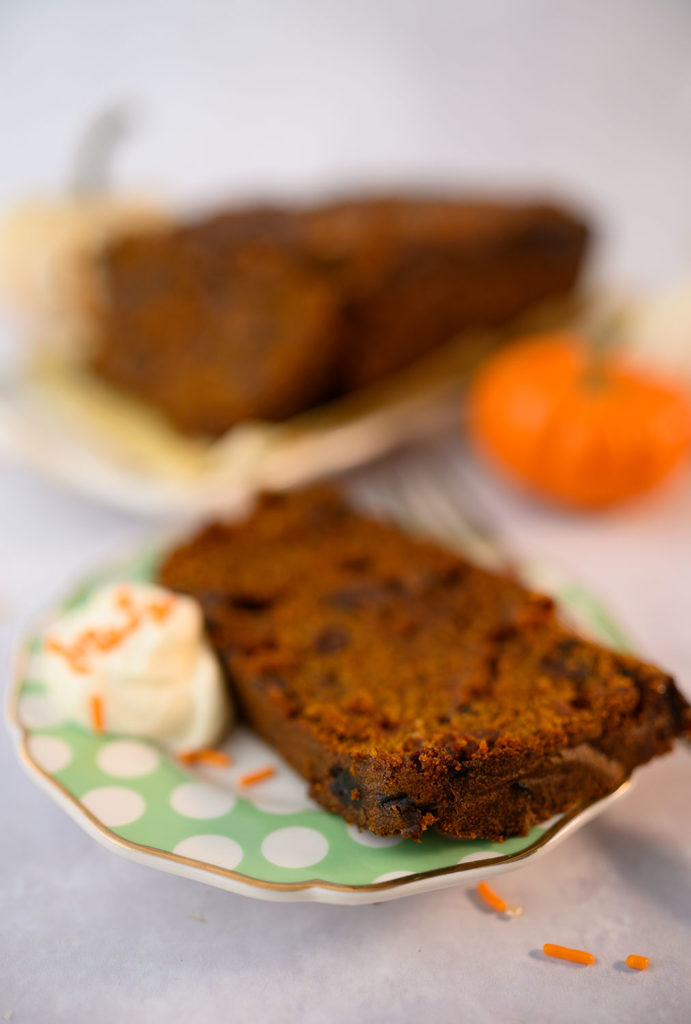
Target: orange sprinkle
(496, 902)
(73, 655)
(107, 639)
(578, 956)
(208, 756)
(103, 639)
(639, 963)
(59, 648)
(251, 777)
(55, 646)
(216, 757)
(96, 713)
(123, 598)
(160, 610)
(133, 621)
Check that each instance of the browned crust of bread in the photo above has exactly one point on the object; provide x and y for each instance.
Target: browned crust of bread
(411, 689)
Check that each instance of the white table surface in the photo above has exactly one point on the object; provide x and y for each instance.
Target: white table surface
(594, 98)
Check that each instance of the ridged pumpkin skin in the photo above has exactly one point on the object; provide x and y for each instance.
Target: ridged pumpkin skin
(582, 436)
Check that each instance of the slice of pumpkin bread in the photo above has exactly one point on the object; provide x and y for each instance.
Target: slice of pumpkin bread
(411, 689)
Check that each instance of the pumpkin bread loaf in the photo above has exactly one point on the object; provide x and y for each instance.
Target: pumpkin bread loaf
(411, 689)
(263, 313)
(411, 273)
(219, 325)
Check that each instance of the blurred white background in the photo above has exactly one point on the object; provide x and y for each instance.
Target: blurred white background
(591, 99)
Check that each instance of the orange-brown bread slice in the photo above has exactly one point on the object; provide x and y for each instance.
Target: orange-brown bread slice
(411, 689)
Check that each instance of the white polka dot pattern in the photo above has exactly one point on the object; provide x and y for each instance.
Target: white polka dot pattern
(38, 711)
(479, 855)
(284, 793)
(389, 876)
(295, 847)
(50, 752)
(220, 851)
(365, 838)
(127, 759)
(201, 800)
(114, 805)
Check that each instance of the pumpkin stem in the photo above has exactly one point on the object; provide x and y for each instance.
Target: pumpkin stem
(91, 164)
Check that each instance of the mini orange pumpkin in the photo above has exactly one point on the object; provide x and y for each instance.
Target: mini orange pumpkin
(575, 428)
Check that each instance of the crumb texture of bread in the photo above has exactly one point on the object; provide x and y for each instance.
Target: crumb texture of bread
(411, 689)
(264, 312)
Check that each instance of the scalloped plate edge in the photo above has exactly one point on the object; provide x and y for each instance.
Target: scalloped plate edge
(315, 890)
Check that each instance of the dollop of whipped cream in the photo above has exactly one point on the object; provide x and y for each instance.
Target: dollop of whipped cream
(133, 659)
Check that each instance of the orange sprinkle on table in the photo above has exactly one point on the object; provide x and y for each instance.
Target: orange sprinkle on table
(208, 756)
(639, 963)
(251, 777)
(496, 902)
(96, 713)
(578, 956)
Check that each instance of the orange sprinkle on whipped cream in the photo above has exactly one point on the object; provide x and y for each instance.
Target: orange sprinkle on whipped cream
(73, 655)
(576, 956)
(253, 777)
(160, 610)
(96, 714)
(123, 598)
(106, 639)
(638, 963)
(496, 902)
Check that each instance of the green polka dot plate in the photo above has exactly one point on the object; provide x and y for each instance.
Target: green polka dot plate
(270, 841)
